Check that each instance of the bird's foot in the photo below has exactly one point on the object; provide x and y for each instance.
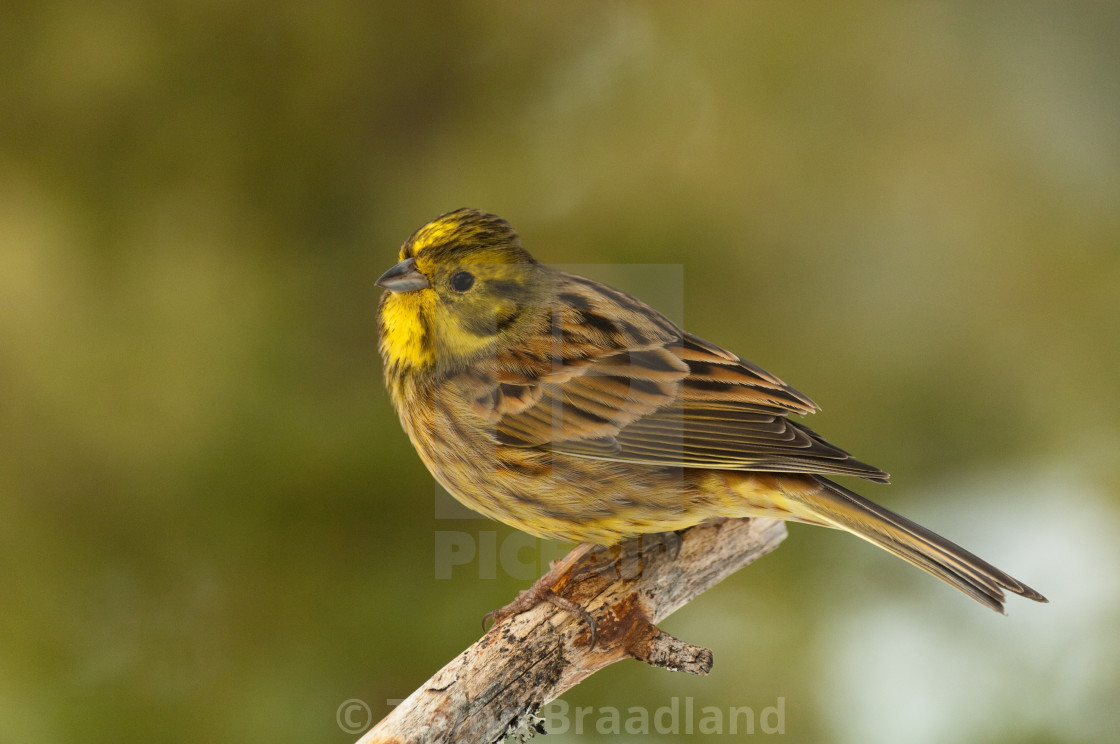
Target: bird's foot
(544, 590)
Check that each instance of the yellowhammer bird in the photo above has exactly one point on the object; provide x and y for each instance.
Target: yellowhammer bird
(571, 410)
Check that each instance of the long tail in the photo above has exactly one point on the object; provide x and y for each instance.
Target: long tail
(836, 506)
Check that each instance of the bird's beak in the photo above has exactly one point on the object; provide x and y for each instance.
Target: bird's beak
(403, 278)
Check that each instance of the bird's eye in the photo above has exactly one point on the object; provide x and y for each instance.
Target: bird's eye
(462, 281)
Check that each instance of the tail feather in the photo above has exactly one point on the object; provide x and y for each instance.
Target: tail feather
(831, 503)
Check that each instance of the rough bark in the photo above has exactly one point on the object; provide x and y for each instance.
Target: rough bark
(496, 686)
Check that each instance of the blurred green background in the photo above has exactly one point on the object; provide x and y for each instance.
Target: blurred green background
(211, 525)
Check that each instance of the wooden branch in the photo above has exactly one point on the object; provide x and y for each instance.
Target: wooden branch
(497, 685)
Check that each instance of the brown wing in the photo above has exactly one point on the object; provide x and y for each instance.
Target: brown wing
(616, 380)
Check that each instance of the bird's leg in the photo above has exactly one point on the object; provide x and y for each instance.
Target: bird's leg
(544, 590)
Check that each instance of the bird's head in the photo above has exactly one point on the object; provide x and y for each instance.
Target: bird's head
(463, 285)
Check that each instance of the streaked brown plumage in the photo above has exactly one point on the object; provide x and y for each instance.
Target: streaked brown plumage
(569, 409)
